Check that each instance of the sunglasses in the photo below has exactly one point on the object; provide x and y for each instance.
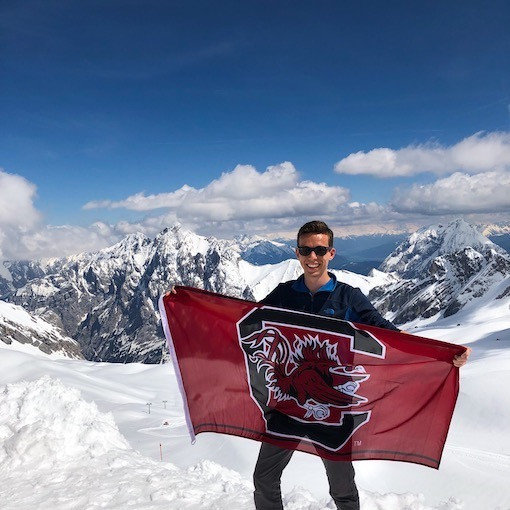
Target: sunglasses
(319, 250)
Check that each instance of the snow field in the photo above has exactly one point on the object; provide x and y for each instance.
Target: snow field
(59, 451)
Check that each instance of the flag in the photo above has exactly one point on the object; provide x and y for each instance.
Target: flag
(337, 389)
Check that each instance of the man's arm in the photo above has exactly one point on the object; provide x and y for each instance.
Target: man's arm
(367, 313)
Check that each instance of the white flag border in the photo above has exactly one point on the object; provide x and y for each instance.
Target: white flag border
(173, 354)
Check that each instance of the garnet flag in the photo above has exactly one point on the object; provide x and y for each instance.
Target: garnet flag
(306, 382)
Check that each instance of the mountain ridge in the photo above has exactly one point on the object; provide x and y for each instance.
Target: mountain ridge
(108, 300)
(440, 269)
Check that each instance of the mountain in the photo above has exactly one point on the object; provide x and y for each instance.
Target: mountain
(495, 229)
(19, 328)
(502, 240)
(259, 251)
(438, 270)
(363, 253)
(498, 233)
(368, 247)
(263, 279)
(108, 300)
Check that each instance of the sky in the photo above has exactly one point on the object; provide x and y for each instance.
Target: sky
(237, 117)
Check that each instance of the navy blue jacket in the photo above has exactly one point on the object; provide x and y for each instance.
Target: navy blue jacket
(335, 299)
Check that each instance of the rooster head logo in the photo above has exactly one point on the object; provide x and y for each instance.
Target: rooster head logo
(303, 375)
(309, 373)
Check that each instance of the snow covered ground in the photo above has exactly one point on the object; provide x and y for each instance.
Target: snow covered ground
(81, 435)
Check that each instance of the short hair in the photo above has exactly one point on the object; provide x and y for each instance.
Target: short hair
(315, 227)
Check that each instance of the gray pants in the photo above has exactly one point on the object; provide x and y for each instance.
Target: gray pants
(268, 472)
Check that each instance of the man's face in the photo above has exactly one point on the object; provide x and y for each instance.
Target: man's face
(314, 265)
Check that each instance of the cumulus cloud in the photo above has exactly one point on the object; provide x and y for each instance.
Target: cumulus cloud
(273, 202)
(480, 152)
(16, 201)
(57, 241)
(459, 193)
(243, 200)
(17, 211)
(349, 219)
(23, 235)
(142, 202)
(243, 194)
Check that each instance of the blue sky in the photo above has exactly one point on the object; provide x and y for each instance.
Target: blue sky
(373, 115)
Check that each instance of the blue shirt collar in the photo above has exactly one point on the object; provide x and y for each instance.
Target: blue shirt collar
(299, 284)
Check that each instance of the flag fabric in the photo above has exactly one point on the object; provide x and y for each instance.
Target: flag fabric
(306, 382)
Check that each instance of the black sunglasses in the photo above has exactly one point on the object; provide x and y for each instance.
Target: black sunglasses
(319, 250)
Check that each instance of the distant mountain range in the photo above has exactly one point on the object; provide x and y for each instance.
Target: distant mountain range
(363, 253)
(107, 301)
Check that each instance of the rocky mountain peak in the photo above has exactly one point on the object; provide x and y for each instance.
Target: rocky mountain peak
(439, 270)
(107, 300)
(134, 249)
(178, 239)
(414, 257)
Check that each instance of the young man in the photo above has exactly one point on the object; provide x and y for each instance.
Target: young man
(318, 292)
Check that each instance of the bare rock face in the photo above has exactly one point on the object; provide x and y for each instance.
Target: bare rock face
(439, 270)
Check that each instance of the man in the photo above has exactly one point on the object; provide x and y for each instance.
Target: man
(317, 291)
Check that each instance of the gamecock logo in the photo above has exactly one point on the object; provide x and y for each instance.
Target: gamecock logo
(303, 376)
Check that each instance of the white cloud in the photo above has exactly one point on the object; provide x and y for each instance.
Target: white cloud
(242, 194)
(244, 182)
(243, 200)
(480, 152)
(274, 202)
(16, 201)
(17, 211)
(48, 241)
(23, 234)
(141, 202)
(459, 193)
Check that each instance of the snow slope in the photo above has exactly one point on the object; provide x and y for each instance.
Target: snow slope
(76, 434)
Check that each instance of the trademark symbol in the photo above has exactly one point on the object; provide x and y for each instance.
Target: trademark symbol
(357, 443)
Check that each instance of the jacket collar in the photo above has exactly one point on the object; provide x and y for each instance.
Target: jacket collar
(299, 284)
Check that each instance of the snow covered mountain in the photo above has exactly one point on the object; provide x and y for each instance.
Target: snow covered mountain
(259, 251)
(495, 229)
(19, 327)
(77, 434)
(59, 447)
(438, 270)
(107, 300)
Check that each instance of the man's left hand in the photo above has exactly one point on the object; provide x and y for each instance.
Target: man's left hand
(461, 359)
